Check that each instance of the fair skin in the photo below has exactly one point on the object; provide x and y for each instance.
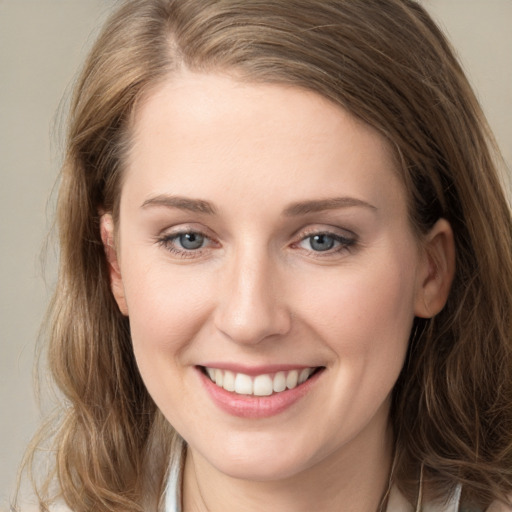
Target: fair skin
(264, 231)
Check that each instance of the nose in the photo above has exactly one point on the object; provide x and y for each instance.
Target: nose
(251, 303)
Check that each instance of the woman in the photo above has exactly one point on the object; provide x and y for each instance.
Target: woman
(286, 267)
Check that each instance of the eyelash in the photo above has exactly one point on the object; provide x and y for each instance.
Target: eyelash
(344, 243)
(168, 243)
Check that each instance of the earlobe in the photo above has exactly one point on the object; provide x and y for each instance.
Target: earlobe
(116, 281)
(437, 272)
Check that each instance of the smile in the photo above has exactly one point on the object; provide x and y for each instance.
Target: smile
(259, 385)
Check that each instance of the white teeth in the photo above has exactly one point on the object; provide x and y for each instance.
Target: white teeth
(279, 383)
(261, 385)
(229, 381)
(292, 379)
(243, 384)
(304, 374)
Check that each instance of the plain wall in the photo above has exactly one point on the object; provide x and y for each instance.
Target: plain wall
(42, 43)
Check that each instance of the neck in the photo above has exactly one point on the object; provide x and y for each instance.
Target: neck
(354, 478)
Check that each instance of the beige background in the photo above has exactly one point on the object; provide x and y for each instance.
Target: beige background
(42, 43)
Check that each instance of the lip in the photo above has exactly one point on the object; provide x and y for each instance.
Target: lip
(250, 406)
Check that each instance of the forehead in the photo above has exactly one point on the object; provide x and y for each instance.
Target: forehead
(201, 132)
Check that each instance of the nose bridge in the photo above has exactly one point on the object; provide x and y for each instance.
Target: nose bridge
(251, 307)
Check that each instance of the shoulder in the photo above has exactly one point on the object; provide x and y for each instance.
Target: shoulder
(398, 503)
(498, 506)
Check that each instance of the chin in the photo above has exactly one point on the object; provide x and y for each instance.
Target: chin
(261, 461)
(259, 472)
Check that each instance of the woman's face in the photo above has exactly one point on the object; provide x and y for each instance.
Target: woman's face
(263, 239)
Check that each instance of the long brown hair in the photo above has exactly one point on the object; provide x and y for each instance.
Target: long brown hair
(387, 63)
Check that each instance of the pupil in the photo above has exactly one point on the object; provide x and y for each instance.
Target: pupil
(322, 242)
(191, 240)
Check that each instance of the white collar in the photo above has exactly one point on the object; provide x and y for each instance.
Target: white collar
(398, 503)
(396, 500)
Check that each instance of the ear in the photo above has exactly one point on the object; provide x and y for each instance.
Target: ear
(437, 270)
(116, 281)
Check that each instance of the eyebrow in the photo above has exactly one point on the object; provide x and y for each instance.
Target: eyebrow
(181, 203)
(319, 205)
(295, 209)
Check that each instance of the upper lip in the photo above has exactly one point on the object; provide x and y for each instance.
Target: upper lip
(255, 370)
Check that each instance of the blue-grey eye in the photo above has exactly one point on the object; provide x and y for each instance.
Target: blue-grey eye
(191, 241)
(321, 242)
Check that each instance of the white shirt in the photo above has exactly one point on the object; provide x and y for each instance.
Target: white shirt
(396, 500)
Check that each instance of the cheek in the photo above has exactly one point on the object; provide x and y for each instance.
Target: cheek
(166, 309)
(359, 301)
(364, 314)
(365, 320)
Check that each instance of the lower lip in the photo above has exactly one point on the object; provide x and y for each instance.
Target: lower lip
(250, 406)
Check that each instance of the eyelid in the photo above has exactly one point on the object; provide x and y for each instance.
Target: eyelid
(335, 231)
(181, 229)
(346, 239)
(167, 237)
